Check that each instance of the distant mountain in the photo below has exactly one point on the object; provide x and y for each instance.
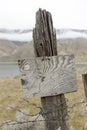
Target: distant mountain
(26, 34)
(20, 43)
(77, 46)
(69, 42)
(7, 47)
(71, 33)
(16, 35)
(10, 51)
(61, 31)
(17, 31)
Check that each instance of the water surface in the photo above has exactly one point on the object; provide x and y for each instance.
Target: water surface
(12, 70)
(9, 70)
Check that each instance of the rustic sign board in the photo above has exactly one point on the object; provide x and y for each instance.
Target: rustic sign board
(48, 76)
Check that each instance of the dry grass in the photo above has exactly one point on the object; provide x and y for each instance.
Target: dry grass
(11, 99)
(10, 93)
(77, 118)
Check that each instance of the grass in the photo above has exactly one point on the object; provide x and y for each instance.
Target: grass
(77, 118)
(11, 100)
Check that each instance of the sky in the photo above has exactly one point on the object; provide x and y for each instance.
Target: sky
(20, 14)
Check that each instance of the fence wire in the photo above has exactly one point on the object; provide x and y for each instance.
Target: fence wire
(24, 120)
(41, 112)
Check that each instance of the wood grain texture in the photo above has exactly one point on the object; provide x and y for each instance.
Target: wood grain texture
(44, 36)
(45, 44)
(48, 76)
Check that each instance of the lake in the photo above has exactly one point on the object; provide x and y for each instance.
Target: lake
(9, 70)
(12, 70)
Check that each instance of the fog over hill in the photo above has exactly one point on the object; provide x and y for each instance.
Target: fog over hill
(16, 35)
(16, 44)
(26, 35)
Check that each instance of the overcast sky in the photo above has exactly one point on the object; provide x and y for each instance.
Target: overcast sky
(21, 13)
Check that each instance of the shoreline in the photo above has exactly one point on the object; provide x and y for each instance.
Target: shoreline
(8, 62)
(9, 78)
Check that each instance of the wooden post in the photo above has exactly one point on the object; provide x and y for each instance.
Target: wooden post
(84, 76)
(44, 37)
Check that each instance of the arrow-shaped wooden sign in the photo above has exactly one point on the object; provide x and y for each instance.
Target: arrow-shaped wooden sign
(48, 76)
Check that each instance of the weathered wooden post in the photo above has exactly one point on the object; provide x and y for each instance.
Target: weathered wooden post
(48, 75)
(45, 44)
(84, 77)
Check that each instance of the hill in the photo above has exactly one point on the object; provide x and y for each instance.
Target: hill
(6, 47)
(70, 41)
(11, 52)
(77, 46)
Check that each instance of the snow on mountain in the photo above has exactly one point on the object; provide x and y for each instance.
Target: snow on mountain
(26, 35)
(71, 34)
(16, 36)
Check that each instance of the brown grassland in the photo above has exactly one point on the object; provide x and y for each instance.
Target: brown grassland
(11, 100)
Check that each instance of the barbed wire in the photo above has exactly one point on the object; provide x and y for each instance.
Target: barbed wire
(15, 122)
(77, 103)
(42, 113)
